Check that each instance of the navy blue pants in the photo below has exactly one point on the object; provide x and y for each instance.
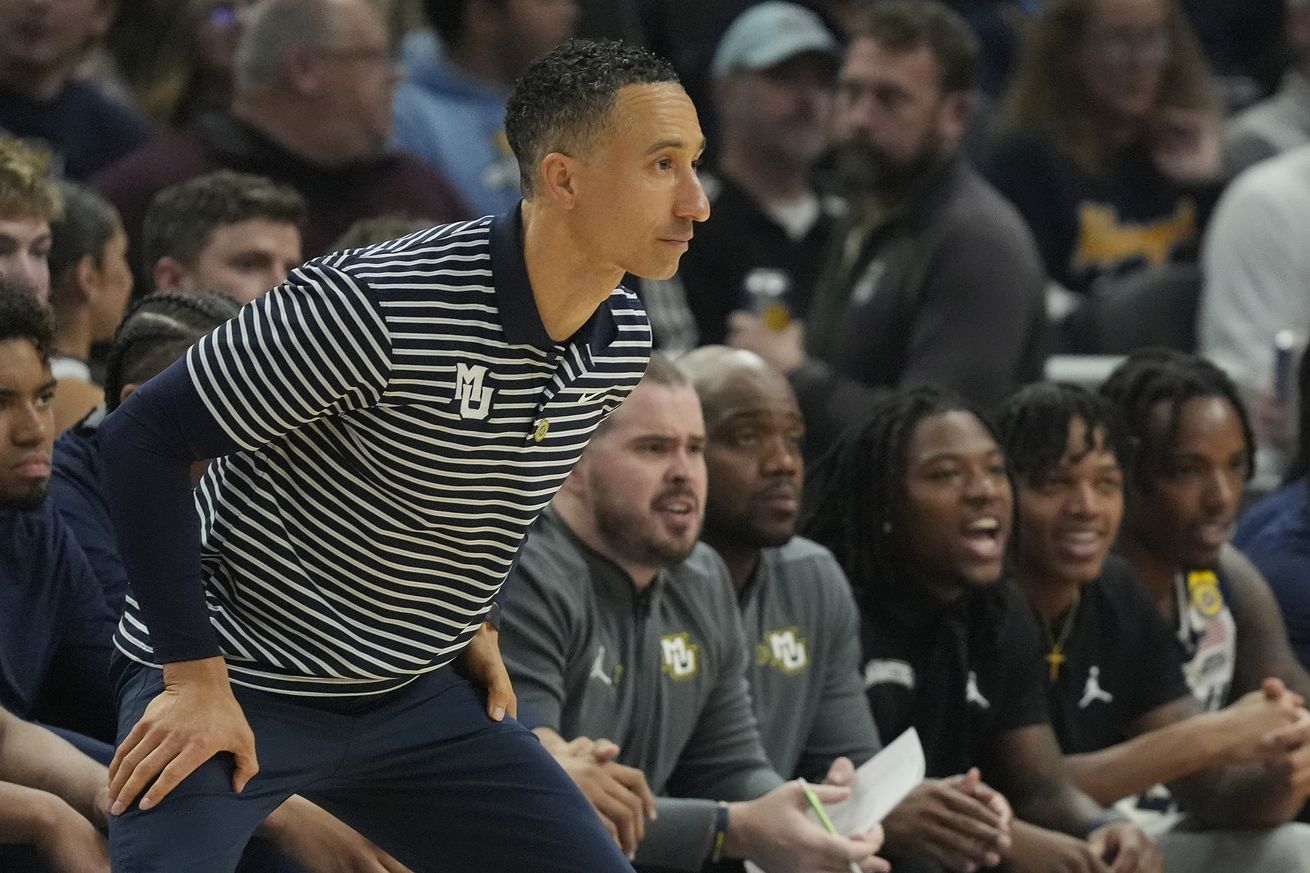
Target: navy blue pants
(422, 772)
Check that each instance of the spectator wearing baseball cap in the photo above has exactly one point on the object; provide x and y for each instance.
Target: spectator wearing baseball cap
(773, 77)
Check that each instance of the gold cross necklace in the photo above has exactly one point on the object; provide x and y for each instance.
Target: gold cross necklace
(1056, 657)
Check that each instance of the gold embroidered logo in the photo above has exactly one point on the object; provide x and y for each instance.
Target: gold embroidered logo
(783, 649)
(680, 656)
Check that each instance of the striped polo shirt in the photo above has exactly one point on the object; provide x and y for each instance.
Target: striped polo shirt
(402, 417)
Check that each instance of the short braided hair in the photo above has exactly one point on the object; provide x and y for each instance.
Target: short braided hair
(156, 331)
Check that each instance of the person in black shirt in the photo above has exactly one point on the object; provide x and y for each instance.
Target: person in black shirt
(916, 504)
(774, 74)
(1120, 704)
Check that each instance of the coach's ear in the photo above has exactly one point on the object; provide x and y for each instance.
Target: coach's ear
(557, 175)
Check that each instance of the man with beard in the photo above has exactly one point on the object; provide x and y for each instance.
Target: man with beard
(764, 240)
(621, 628)
(934, 278)
(801, 620)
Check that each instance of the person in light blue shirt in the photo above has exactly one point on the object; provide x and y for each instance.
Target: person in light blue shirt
(450, 110)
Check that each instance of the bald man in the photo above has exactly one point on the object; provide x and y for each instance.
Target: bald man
(801, 620)
(799, 615)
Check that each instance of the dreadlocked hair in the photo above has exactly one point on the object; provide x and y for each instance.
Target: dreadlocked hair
(1150, 377)
(1034, 423)
(156, 331)
(855, 493)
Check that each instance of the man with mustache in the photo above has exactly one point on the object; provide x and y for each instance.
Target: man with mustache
(620, 625)
(933, 278)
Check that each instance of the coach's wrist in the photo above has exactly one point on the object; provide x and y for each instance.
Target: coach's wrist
(205, 673)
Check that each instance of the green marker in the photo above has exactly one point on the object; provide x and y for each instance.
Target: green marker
(817, 806)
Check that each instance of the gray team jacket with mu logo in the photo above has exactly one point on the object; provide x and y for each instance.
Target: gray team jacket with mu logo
(661, 672)
(803, 627)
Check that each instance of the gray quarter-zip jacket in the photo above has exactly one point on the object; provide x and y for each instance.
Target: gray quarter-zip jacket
(661, 672)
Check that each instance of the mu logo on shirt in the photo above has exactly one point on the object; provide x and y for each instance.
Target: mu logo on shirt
(474, 399)
(784, 650)
(679, 656)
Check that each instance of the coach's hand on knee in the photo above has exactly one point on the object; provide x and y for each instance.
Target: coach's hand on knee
(193, 719)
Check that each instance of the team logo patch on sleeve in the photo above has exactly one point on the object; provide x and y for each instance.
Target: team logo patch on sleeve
(784, 650)
(680, 656)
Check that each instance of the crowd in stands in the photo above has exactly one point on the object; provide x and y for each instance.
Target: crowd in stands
(844, 501)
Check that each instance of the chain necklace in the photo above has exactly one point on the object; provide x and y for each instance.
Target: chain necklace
(1056, 657)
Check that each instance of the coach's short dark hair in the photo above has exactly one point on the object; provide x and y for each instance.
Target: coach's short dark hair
(182, 218)
(564, 98)
(23, 316)
(909, 25)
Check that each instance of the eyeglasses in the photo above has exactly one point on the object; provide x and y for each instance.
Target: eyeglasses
(1124, 46)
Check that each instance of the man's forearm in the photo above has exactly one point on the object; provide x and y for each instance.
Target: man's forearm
(148, 445)
(1241, 796)
(28, 815)
(1159, 756)
(681, 836)
(34, 757)
(1059, 806)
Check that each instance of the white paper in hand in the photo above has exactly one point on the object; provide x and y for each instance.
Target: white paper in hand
(880, 784)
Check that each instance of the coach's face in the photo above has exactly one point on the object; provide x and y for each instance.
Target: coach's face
(638, 191)
(27, 424)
